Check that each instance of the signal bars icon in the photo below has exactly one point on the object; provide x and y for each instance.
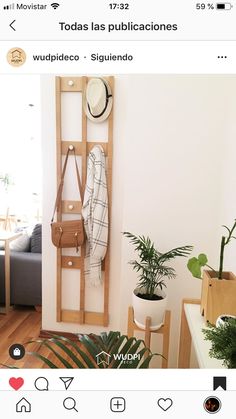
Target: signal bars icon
(8, 7)
(55, 5)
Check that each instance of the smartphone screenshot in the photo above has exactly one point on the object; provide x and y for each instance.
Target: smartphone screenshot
(117, 209)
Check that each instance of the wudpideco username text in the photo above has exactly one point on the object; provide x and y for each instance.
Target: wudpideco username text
(93, 57)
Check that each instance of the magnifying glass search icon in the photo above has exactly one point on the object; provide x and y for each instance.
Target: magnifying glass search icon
(70, 404)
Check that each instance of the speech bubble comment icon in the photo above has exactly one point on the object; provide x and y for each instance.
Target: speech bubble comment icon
(41, 384)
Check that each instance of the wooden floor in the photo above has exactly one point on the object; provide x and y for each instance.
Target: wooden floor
(21, 326)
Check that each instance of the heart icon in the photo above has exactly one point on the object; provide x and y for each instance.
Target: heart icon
(165, 404)
(16, 383)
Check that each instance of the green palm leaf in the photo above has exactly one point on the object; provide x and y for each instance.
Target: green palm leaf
(43, 358)
(151, 266)
(115, 345)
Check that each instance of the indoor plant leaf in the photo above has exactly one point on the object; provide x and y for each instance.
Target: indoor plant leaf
(223, 341)
(89, 346)
(195, 264)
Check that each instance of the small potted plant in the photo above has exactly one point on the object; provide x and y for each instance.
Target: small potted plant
(149, 298)
(218, 286)
(223, 340)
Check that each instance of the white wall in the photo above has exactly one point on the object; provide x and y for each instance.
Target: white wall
(20, 141)
(228, 197)
(169, 175)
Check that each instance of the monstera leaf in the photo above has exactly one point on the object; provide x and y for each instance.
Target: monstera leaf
(196, 264)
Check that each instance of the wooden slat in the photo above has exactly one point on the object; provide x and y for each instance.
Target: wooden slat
(92, 318)
(7, 276)
(66, 207)
(166, 339)
(109, 186)
(59, 217)
(84, 174)
(147, 337)
(79, 146)
(66, 87)
(71, 262)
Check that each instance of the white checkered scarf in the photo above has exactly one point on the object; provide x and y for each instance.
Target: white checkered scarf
(95, 215)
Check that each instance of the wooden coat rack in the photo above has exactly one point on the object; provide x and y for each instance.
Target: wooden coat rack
(82, 148)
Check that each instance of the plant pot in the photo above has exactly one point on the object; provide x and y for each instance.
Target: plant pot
(218, 296)
(155, 309)
(223, 319)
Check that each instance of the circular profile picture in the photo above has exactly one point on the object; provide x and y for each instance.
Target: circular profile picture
(212, 405)
(16, 57)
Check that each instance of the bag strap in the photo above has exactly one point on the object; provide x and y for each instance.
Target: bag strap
(60, 188)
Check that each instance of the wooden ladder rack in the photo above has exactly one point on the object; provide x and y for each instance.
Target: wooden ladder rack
(82, 148)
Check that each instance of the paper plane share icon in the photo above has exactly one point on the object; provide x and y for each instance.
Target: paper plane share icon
(67, 381)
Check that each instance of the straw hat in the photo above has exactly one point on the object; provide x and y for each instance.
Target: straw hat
(98, 100)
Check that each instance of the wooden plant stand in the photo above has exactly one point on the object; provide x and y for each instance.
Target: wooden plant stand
(164, 330)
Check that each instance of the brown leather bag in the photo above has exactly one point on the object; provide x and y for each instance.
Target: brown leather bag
(67, 233)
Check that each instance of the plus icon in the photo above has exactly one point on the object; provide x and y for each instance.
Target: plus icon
(117, 404)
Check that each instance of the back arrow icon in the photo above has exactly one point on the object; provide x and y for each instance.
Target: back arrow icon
(12, 24)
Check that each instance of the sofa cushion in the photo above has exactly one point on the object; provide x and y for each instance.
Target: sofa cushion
(26, 278)
(21, 244)
(36, 239)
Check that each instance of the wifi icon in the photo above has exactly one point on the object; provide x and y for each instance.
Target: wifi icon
(55, 5)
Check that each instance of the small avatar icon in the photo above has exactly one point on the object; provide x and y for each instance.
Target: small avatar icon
(212, 404)
(16, 57)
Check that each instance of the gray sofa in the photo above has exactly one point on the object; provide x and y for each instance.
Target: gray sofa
(25, 273)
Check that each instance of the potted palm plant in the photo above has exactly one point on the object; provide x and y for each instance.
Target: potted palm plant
(218, 286)
(149, 297)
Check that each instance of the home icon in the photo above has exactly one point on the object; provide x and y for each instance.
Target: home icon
(103, 358)
(23, 406)
(16, 54)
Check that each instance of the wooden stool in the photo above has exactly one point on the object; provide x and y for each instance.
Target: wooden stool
(8, 221)
(164, 330)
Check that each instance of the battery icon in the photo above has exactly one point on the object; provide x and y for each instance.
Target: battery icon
(224, 6)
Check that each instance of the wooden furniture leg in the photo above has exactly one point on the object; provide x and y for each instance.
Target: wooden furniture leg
(166, 340)
(6, 219)
(7, 276)
(130, 331)
(185, 338)
(147, 338)
(164, 330)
